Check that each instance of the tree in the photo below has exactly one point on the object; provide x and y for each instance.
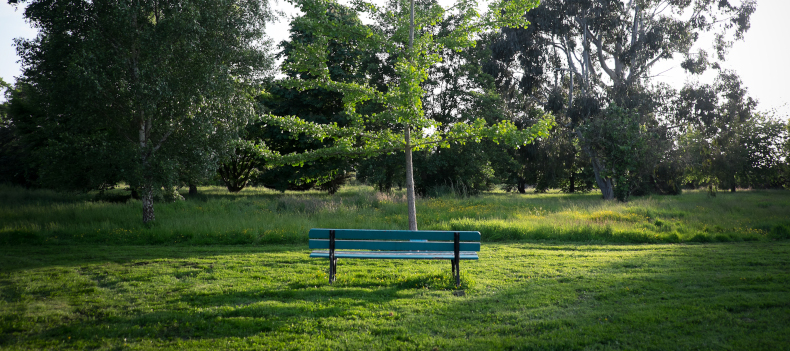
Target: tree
(784, 170)
(458, 90)
(415, 50)
(141, 86)
(14, 167)
(346, 62)
(626, 145)
(727, 142)
(605, 50)
(17, 165)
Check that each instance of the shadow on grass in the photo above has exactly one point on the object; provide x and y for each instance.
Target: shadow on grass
(522, 296)
(16, 258)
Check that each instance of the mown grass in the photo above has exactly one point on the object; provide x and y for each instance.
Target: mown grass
(518, 296)
(259, 216)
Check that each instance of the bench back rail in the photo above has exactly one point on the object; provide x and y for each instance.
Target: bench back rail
(367, 234)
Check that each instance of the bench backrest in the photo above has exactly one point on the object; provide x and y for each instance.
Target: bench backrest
(394, 240)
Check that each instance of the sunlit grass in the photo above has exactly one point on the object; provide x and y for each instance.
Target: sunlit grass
(517, 296)
(71, 277)
(262, 216)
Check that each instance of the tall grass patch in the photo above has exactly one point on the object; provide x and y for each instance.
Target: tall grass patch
(258, 216)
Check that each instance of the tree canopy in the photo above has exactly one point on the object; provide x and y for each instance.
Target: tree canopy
(415, 50)
(135, 90)
(605, 50)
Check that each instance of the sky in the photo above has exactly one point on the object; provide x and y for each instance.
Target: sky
(761, 59)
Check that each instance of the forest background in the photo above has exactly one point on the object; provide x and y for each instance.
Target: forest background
(589, 64)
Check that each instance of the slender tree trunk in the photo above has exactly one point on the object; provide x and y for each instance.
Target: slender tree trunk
(410, 185)
(148, 203)
(571, 181)
(146, 189)
(409, 165)
(144, 134)
(571, 178)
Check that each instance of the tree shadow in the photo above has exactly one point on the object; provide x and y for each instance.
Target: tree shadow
(545, 296)
(22, 257)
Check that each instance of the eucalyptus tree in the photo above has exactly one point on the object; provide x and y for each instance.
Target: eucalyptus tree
(727, 142)
(606, 51)
(415, 51)
(132, 89)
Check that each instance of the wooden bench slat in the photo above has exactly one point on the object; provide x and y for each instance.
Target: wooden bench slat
(433, 235)
(392, 245)
(427, 255)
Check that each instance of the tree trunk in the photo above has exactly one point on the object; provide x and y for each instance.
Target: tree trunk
(147, 189)
(410, 201)
(192, 189)
(606, 186)
(572, 177)
(732, 187)
(236, 173)
(410, 184)
(522, 186)
(148, 203)
(571, 181)
(604, 183)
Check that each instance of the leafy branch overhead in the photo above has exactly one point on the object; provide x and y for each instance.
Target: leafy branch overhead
(402, 100)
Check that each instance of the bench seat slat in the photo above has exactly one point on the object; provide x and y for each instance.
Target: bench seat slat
(392, 245)
(424, 255)
(362, 234)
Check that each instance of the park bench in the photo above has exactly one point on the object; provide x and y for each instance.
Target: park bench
(394, 244)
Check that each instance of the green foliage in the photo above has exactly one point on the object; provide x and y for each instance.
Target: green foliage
(138, 90)
(15, 164)
(625, 146)
(547, 296)
(402, 100)
(462, 170)
(238, 168)
(346, 62)
(726, 143)
(603, 51)
(383, 172)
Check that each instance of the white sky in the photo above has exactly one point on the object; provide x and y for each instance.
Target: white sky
(761, 59)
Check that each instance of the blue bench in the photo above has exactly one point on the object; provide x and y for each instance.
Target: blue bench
(394, 244)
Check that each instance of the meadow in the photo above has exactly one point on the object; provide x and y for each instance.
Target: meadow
(556, 271)
(258, 216)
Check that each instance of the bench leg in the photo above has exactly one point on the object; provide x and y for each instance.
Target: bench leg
(457, 258)
(457, 273)
(332, 270)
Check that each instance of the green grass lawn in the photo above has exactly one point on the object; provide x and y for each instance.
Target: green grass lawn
(259, 216)
(518, 296)
(557, 271)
